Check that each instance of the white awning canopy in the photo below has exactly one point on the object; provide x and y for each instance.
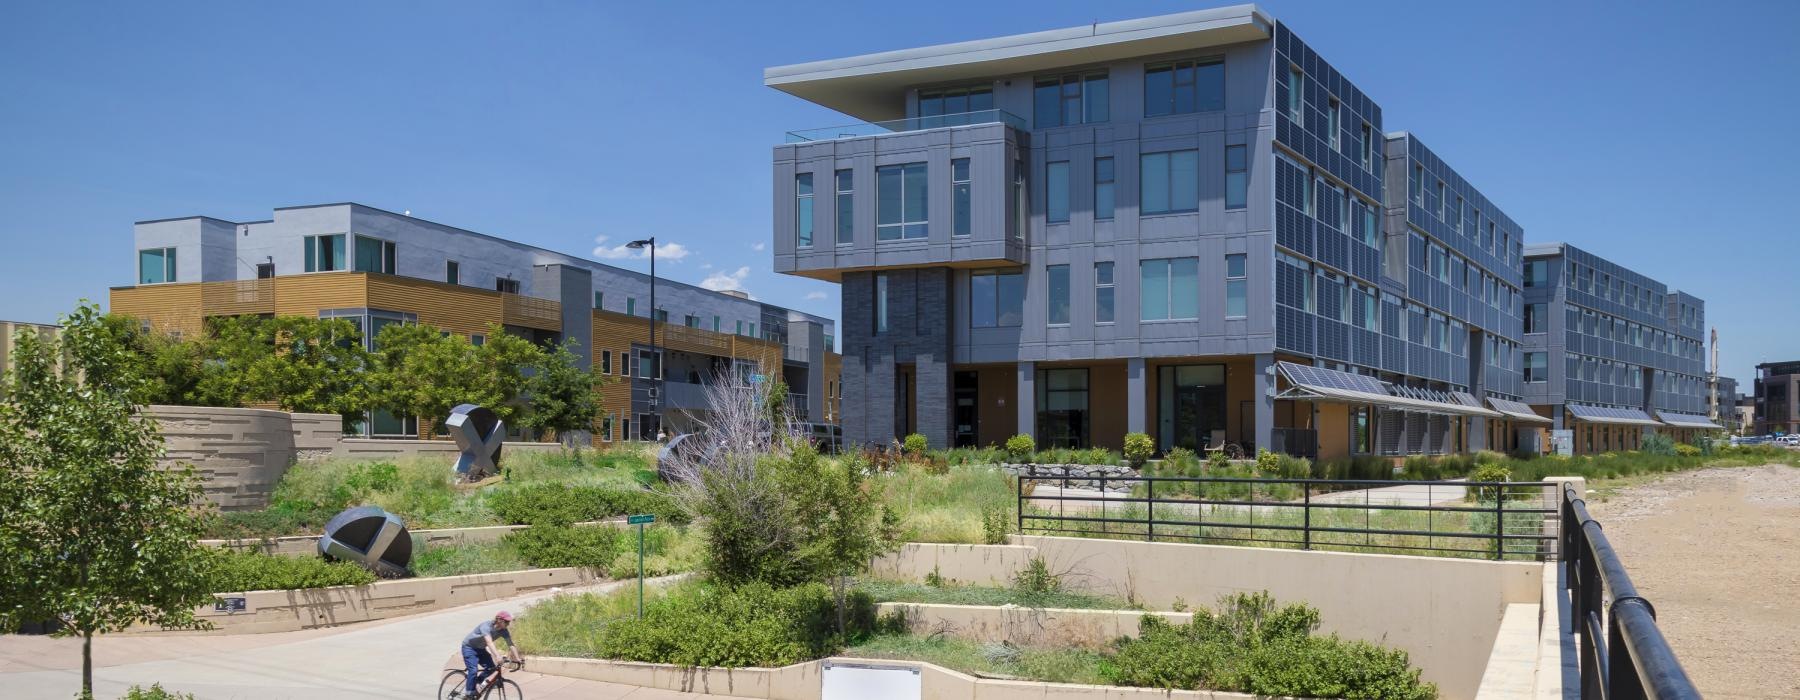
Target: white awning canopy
(1517, 411)
(1614, 416)
(1687, 420)
(1319, 384)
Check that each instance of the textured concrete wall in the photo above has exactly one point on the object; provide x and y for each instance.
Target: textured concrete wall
(287, 611)
(316, 434)
(1055, 627)
(240, 452)
(367, 448)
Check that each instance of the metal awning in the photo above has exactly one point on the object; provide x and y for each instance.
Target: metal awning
(1615, 416)
(1319, 384)
(1517, 411)
(1687, 420)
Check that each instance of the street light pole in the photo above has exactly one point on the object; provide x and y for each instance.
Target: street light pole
(655, 359)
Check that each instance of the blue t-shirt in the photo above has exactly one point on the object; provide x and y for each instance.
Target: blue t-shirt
(486, 629)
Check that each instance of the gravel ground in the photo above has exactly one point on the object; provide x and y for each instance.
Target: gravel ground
(1717, 551)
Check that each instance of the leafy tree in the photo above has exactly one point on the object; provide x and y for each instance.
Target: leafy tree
(171, 366)
(776, 400)
(314, 365)
(94, 534)
(843, 524)
(563, 395)
(422, 372)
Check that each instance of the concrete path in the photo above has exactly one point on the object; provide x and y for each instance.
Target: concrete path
(1409, 495)
(401, 658)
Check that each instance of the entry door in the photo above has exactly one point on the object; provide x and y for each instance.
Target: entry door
(968, 409)
(1189, 416)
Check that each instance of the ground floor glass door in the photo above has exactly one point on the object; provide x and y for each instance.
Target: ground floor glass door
(1190, 406)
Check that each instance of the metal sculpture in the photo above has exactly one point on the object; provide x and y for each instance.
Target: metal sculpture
(479, 433)
(369, 536)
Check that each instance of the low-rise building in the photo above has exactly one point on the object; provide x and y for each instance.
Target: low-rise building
(1777, 398)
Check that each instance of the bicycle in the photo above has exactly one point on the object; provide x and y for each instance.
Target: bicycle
(497, 687)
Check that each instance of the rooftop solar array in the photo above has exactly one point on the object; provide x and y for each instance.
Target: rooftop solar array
(1686, 420)
(1601, 414)
(1516, 409)
(1332, 379)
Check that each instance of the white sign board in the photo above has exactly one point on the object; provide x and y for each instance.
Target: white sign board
(844, 681)
(1562, 442)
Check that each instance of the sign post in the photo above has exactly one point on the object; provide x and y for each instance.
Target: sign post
(639, 521)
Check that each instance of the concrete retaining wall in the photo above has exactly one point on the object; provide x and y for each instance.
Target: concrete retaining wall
(368, 448)
(287, 611)
(240, 453)
(308, 544)
(1060, 627)
(803, 681)
(972, 564)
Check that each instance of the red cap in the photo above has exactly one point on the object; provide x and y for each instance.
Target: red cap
(503, 615)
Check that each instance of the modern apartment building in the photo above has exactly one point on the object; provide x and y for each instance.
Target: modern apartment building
(1727, 405)
(377, 267)
(1610, 352)
(1192, 226)
(1777, 398)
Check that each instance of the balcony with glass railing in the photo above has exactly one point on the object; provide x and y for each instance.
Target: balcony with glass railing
(899, 126)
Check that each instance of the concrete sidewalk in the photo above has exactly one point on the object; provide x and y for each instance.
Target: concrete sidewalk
(402, 658)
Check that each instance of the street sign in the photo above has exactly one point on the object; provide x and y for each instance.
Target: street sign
(640, 519)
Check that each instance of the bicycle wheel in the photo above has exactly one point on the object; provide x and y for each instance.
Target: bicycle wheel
(453, 680)
(506, 689)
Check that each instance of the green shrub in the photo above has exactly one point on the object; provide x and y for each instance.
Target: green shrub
(751, 625)
(551, 546)
(154, 692)
(1657, 444)
(1490, 473)
(996, 524)
(1138, 448)
(464, 558)
(1019, 448)
(1177, 460)
(1686, 450)
(237, 571)
(1266, 462)
(1421, 468)
(1218, 461)
(1486, 457)
(1249, 644)
(1036, 578)
(553, 503)
(915, 445)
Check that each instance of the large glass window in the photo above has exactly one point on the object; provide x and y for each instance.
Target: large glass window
(1296, 94)
(1021, 206)
(846, 207)
(1236, 295)
(1368, 147)
(1191, 406)
(959, 197)
(1371, 229)
(881, 303)
(1169, 182)
(1537, 368)
(803, 210)
(1237, 176)
(1103, 188)
(996, 299)
(1103, 292)
(1059, 294)
(1062, 407)
(1537, 318)
(374, 255)
(901, 205)
(1362, 436)
(1334, 124)
(325, 253)
(156, 265)
(1056, 192)
(1071, 99)
(1184, 87)
(1168, 289)
(950, 106)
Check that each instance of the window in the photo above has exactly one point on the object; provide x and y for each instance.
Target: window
(374, 255)
(691, 321)
(996, 299)
(1536, 368)
(1536, 318)
(1537, 273)
(1236, 298)
(1371, 321)
(1184, 87)
(1441, 203)
(1103, 292)
(662, 315)
(1062, 407)
(934, 105)
(1071, 99)
(625, 429)
(1333, 124)
(1059, 294)
(477, 339)
(1103, 188)
(1371, 229)
(606, 362)
(452, 270)
(265, 270)
(630, 306)
(156, 265)
(1296, 92)
(901, 205)
(1168, 289)
(598, 298)
(1368, 147)
(606, 428)
(1362, 437)
(959, 199)
(881, 303)
(506, 285)
(715, 323)
(1237, 176)
(1021, 207)
(1456, 213)
(846, 208)
(1169, 182)
(1056, 192)
(324, 253)
(803, 210)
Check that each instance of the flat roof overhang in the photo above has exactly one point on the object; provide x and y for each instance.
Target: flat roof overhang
(867, 87)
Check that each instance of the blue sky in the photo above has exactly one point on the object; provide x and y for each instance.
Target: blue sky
(1659, 135)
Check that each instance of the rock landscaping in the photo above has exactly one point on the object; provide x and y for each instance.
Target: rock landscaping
(1111, 477)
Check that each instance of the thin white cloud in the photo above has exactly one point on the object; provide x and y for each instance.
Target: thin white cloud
(815, 296)
(706, 266)
(723, 281)
(664, 251)
(759, 246)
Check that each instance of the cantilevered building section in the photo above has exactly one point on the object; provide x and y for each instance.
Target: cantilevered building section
(1129, 226)
(377, 268)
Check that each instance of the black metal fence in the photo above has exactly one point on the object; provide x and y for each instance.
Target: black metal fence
(1623, 654)
(1490, 520)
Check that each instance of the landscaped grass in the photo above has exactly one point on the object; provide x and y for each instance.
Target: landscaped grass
(668, 549)
(884, 591)
(948, 507)
(467, 558)
(990, 660)
(571, 624)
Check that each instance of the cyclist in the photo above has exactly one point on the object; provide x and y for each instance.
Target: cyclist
(478, 650)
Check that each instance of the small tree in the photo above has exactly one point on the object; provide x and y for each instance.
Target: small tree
(843, 524)
(562, 394)
(423, 372)
(1138, 448)
(94, 534)
(314, 365)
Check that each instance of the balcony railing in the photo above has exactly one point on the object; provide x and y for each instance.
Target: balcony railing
(531, 312)
(896, 126)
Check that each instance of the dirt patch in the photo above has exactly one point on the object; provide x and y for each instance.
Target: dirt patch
(1717, 551)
